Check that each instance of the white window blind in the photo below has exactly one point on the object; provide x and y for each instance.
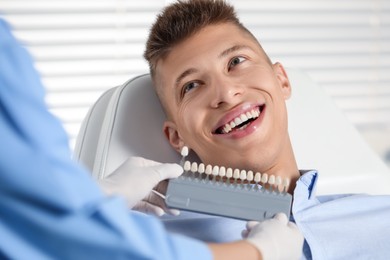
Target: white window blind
(84, 47)
(342, 45)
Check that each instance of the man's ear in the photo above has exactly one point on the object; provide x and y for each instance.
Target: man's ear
(283, 79)
(173, 136)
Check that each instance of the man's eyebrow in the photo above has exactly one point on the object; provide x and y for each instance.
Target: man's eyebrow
(185, 74)
(233, 49)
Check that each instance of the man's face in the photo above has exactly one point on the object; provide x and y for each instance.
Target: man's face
(224, 100)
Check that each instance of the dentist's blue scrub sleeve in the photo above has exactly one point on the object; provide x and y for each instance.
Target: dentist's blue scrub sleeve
(50, 208)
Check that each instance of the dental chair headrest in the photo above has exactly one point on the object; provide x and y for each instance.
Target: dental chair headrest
(127, 121)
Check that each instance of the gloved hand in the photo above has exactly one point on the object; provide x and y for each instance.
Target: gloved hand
(140, 181)
(275, 238)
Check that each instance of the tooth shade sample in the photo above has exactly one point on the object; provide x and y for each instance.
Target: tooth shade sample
(257, 177)
(264, 178)
(187, 166)
(184, 151)
(249, 176)
(201, 168)
(215, 170)
(278, 181)
(194, 167)
(229, 172)
(243, 175)
(209, 169)
(271, 179)
(222, 171)
(236, 173)
(285, 184)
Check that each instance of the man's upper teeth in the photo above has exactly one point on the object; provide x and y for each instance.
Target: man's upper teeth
(254, 113)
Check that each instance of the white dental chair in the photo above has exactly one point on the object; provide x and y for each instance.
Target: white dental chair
(127, 121)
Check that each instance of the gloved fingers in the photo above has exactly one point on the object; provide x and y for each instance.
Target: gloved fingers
(159, 201)
(146, 207)
(251, 224)
(168, 170)
(292, 225)
(173, 212)
(135, 178)
(161, 187)
(152, 209)
(275, 238)
(248, 227)
(142, 162)
(281, 217)
(136, 166)
(165, 170)
(244, 233)
(155, 198)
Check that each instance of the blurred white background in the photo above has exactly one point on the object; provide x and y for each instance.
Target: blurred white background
(84, 47)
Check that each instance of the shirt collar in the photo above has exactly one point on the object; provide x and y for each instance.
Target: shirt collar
(307, 183)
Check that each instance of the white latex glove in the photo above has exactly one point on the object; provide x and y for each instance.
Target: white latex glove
(140, 181)
(275, 238)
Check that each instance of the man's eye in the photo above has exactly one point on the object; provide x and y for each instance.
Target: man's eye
(235, 61)
(188, 87)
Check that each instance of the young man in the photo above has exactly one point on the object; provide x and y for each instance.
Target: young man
(209, 72)
(50, 208)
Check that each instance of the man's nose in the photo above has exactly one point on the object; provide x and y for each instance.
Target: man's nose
(225, 92)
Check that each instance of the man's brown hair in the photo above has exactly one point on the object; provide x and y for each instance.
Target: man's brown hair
(183, 19)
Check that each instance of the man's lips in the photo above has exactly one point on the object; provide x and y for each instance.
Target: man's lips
(241, 121)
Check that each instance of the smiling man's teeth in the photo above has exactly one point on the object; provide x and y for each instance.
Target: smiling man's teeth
(240, 119)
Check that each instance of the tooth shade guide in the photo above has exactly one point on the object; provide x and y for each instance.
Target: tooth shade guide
(229, 176)
(224, 196)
